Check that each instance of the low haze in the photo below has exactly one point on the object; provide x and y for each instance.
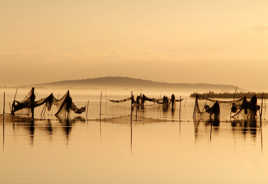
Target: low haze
(169, 41)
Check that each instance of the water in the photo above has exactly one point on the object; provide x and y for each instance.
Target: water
(156, 149)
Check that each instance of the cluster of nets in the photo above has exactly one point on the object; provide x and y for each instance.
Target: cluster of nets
(207, 109)
(140, 100)
(64, 105)
(245, 108)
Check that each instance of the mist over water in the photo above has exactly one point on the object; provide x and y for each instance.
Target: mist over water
(155, 147)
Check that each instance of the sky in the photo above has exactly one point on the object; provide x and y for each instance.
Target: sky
(211, 41)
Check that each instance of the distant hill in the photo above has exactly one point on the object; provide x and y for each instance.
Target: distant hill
(124, 82)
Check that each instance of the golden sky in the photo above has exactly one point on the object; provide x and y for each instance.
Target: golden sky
(214, 41)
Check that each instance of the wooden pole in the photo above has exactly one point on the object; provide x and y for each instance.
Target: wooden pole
(180, 110)
(232, 104)
(100, 111)
(15, 94)
(131, 134)
(13, 103)
(131, 106)
(87, 110)
(100, 103)
(136, 106)
(4, 106)
(261, 110)
(33, 102)
(131, 140)
(180, 116)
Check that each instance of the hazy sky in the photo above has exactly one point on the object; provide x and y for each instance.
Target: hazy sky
(215, 41)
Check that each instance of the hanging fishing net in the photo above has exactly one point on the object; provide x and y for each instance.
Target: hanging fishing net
(246, 109)
(64, 106)
(143, 106)
(24, 107)
(207, 109)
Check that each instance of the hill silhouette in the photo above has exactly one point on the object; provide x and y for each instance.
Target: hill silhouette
(132, 82)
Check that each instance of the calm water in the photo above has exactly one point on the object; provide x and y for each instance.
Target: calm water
(155, 148)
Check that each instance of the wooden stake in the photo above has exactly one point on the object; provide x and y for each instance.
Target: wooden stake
(131, 134)
(261, 110)
(136, 111)
(180, 110)
(100, 103)
(131, 141)
(15, 94)
(100, 111)
(33, 103)
(180, 116)
(4, 106)
(131, 106)
(87, 109)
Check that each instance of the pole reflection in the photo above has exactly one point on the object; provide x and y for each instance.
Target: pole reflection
(243, 128)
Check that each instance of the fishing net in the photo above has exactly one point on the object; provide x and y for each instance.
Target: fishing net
(64, 106)
(24, 106)
(246, 109)
(148, 107)
(236, 109)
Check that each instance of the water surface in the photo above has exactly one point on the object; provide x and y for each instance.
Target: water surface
(155, 147)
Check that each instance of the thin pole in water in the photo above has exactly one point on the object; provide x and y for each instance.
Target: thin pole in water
(261, 110)
(33, 102)
(180, 115)
(137, 105)
(180, 109)
(4, 106)
(87, 110)
(100, 110)
(131, 105)
(131, 131)
(15, 95)
(100, 103)
(131, 135)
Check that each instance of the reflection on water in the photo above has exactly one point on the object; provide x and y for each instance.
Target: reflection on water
(145, 146)
(49, 127)
(31, 131)
(66, 125)
(19, 124)
(238, 127)
(246, 126)
(143, 135)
